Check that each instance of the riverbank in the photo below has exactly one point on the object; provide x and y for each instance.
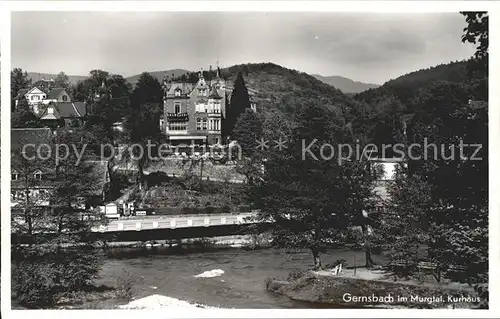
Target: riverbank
(232, 278)
(371, 289)
(235, 241)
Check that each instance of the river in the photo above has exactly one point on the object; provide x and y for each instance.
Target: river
(242, 285)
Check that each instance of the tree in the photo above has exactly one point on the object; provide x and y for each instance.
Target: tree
(247, 130)
(23, 116)
(18, 80)
(142, 129)
(240, 100)
(476, 32)
(62, 256)
(406, 228)
(118, 87)
(62, 81)
(458, 181)
(147, 90)
(311, 201)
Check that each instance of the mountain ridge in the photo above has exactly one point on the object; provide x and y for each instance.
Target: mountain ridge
(344, 84)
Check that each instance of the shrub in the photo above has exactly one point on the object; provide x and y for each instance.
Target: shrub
(40, 274)
(124, 285)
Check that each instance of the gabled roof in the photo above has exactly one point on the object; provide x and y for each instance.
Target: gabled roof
(63, 110)
(54, 93)
(185, 88)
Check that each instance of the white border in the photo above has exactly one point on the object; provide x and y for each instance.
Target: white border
(358, 6)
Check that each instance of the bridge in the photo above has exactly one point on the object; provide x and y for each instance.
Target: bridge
(163, 227)
(176, 226)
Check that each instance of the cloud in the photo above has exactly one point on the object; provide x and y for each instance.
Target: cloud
(366, 47)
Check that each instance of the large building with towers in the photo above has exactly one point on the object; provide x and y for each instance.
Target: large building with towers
(193, 113)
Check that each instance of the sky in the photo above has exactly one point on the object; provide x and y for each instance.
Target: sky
(366, 47)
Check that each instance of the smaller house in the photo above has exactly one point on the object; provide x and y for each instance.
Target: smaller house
(42, 93)
(63, 114)
(57, 95)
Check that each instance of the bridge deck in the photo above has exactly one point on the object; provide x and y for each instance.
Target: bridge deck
(177, 221)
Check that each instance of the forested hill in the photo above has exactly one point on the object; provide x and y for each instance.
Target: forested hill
(277, 88)
(280, 87)
(405, 86)
(428, 93)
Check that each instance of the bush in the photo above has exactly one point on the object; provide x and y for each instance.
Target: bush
(40, 275)
(32, 285)
(124, 285)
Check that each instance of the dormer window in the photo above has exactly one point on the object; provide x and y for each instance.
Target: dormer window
(37, 175)
(14, 176)
(50, 110)
(65, 98)
(177, 92)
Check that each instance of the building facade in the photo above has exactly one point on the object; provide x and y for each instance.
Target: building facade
(193, 113)
(42, 93)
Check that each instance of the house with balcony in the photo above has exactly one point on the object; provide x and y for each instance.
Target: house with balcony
(193, 113)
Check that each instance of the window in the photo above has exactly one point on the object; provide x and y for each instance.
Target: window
(177, 107)
(198, 124)
(216, 107)
(177, 126)
(14, 176)
(50, 110)
(204, 124)
(32, 97)
(37, 175)
(177, 92)
(217, 125)
(44, 96)
(64, 98)
(200, 107)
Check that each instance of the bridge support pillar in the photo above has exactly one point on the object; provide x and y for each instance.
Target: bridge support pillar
(138, 226)
(223, 220)
(120, 226)
(155, 224)
(172, 223)
(190, 222)
(207, 221)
